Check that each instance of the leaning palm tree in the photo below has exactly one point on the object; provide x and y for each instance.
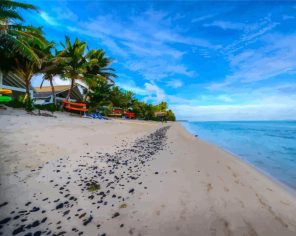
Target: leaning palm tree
(50, 68)
(72, 58)
(24, 67)
(12, 34)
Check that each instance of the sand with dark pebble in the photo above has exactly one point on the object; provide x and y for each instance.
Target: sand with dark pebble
(75, 176)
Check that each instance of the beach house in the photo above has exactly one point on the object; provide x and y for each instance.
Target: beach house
(44, 95)
(14, 83)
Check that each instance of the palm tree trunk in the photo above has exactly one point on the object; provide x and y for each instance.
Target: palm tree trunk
(27, 94)
(52, 90)
(70, 90)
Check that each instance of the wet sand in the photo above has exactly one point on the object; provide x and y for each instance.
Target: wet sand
(74, 176)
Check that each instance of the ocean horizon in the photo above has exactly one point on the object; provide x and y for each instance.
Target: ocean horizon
(269, 146)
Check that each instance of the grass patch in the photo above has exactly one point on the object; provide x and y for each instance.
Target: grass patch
(93, 187)
(124, 205)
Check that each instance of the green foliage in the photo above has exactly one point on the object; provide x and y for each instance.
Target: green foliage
(170, 115)
(8, 9)
(14, 37)
(15, 104)
(104, 96)
(21, 102)
(29, 106)
(93, 187)
(47, 107)
(99, 94)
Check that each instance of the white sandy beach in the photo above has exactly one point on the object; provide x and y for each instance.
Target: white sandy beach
(188, 188)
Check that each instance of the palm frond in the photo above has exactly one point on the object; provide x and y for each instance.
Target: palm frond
(21, 47)
(10, 14)
(14, 4)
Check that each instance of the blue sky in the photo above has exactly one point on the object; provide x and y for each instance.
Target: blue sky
(210, 60)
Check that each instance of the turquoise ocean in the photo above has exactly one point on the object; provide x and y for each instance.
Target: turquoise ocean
(269, 146)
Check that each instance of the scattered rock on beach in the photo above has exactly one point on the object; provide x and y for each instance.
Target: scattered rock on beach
(99, 185)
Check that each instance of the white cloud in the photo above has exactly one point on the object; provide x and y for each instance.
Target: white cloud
(155, 93)
(202, 18)
(48, 19)
(288, 17)
(65, 13)
(226, 25)
(157, 69)
(275, 58)
(264, 111)
(149, 52)
(150, 92)
(252, 32)
(175, 83)
(130, 85)
(243, 103)
(37, 79)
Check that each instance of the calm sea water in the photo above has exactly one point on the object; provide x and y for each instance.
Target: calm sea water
(270, 146)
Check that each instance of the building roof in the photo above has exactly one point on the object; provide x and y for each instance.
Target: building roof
(57, 88)
(46, 91)
(14, 81)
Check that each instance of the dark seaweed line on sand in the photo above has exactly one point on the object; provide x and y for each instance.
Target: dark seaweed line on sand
(95, 183)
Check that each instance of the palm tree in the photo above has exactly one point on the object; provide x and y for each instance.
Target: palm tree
(50, 68)
(72, 58)
(98, 65)
(13, 36)
(79, 65)
(24, 67)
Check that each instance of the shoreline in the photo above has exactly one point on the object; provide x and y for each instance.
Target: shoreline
(70, 175)
(265, 174)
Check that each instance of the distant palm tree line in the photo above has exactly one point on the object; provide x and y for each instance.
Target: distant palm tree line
(25, 51)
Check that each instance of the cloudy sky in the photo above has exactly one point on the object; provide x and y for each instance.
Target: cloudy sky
(210, 60)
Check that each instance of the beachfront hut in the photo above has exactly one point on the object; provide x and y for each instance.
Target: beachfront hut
(14, 83)
(161, 115)
(44, 95)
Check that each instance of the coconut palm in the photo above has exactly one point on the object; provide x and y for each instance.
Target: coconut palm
(50, 68)
(98, 65)
(24, 67)
(13, 36)
(79, 65)
(72, 58)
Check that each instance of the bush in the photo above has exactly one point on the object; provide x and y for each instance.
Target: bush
(15, 104)
(20, 103)
(29, 106)
(47, 107)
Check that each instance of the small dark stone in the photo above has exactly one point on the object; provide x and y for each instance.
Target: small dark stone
(18, 230)
(131, 190)
(86, 222)
(66, 212)
(35, 209)
(82, 215)
(61, 205)
(4, 221)
(116, 214)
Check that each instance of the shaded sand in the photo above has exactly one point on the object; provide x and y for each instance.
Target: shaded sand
(74, 176)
